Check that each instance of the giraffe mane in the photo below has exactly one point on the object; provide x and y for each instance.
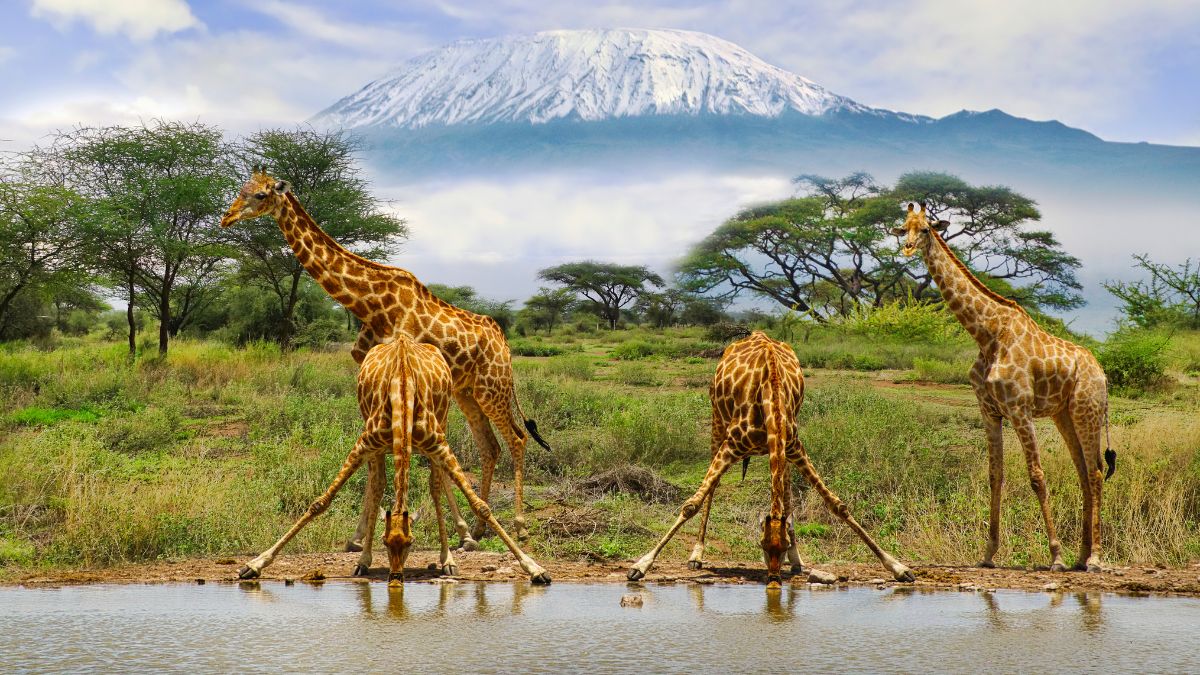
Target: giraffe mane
(979, 285)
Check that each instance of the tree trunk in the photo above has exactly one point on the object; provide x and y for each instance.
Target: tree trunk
(132, 324)
(164, 315)
(287, 331)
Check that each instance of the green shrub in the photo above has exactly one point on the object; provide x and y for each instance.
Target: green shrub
(152, 429)
(35, 416)
(637, 374)
(632, 350)
(530, 348)
(936, 370)
(1134, 360)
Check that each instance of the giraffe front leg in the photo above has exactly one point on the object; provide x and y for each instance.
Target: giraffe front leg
(696, 560)
(799, 457)
(720, 463)
(793, 552)
(995, 440)
(446, 560)
(1037, 480)
(354, 460)
(444, 459)
(485, 443)
(364, 536)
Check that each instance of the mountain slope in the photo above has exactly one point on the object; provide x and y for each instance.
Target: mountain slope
(585, 75)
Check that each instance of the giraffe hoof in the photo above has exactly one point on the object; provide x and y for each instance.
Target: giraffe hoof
(635, 575)
(905, 575)
(1094, 568)
(450, 570)
(359, 571)
(797, 569)
(469, 545)
(542, 579)
(1058, 567)
(353, 547)
(246, 572)
(695, 564)
(987, 564)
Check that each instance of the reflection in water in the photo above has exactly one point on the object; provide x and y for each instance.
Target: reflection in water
(582, 626)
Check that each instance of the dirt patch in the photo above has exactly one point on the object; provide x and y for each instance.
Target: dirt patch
(487, 566)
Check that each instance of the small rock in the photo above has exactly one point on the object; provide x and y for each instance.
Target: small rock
(431, 566)
(488, 568)
(315, 575)
(1052, 586)
(225, 561)
(632, 600)
(199, 582)
(505, 570)
(1119, 573)
(704, 580)
(289, 582)
(877, 581)
(1150, 570)
(821, 577)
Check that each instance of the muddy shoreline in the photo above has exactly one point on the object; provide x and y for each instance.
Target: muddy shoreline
(487, 566)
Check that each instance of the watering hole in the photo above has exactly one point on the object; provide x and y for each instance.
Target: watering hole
(501, 627)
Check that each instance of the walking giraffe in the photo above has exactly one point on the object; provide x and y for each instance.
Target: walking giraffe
(390, 301)
(756, 392)
(1022, 373)
(404, 392)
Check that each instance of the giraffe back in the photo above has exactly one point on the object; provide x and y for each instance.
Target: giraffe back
(738, 385)
(430, 378)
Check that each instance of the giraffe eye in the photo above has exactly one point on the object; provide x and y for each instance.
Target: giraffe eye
(260, 195)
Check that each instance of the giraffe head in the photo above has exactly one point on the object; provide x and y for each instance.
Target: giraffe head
(916, 230)
(774, 546)
(260, 195)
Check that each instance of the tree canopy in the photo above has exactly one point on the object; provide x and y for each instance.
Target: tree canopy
(607, 286)
(829, 249)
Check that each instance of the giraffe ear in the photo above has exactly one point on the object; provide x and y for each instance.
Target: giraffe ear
(283, 187)
(910, 207)
(922, 207)
(941, 225)
(898, 231)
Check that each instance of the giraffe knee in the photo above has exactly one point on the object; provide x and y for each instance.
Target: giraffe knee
(318, 507)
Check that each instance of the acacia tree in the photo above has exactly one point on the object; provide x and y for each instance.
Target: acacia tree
(548, 306)
(324, 175)
(609, 287)
(466, 297)
(161, 189)
(43, 245)
(662, 309)
(1171, 296)
(829, 250)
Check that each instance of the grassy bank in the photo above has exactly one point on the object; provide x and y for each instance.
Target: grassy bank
(216, 450)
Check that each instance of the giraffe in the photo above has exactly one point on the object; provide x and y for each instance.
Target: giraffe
(389, 300)
(1022, 373)
(756, 392)
(404, 390)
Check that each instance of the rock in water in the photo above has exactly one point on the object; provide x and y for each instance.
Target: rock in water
(631, 600)
(821, 577)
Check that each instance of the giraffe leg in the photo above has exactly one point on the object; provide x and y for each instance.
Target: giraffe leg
(1067, 429)
(993, 427)
(354, 460)
(465, 541)
(485, 441)
(444, 459)
(397, 530)
(793, 552)
(496, 403)
(446, 559)
(1087, 416)
(1037, 480)
(696, 560)
(799, 457)
(366, 520)
(720, 463)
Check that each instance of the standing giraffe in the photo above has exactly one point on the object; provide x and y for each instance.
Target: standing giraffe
(390, 301)
(404, 396)
(1023, 373)
(756, 392)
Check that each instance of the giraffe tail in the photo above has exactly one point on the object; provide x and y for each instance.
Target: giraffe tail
(529, 424)
(1110, 455)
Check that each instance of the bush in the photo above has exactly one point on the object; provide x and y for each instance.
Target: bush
(936, 370)
(632, 350)
(151, 429)
(529, 348)
(1134, 360)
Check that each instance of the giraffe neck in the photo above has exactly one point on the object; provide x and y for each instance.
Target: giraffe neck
(366, 288)
(981, 311)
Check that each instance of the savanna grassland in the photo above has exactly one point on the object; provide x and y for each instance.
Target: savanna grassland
(217, 449)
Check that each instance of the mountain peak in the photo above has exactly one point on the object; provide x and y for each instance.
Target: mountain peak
(583, 75)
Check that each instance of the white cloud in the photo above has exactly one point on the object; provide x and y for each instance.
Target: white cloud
(138, 19)
(364, 37)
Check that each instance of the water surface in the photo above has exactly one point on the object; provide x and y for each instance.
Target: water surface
(490, 627)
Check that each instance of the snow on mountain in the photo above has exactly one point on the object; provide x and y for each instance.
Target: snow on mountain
(582, 75)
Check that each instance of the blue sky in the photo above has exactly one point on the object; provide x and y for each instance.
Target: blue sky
(1127, 71)
(1123, 70)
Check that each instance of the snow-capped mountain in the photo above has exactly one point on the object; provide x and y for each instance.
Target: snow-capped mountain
(586, 75)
